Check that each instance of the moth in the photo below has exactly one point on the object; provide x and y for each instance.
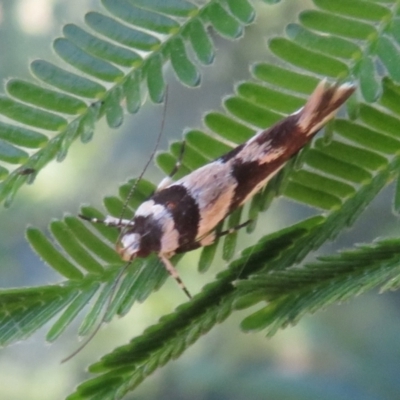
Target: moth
(182, 216)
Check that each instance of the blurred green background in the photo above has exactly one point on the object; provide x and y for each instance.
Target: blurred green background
(350, 351)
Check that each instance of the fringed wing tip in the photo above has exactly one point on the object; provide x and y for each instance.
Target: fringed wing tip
(342, 92)
(323, 104)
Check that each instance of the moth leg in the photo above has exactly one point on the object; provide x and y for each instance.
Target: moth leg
(209, 238)
(233, 229)
(174, 273)
(168, 179)
(108, 221)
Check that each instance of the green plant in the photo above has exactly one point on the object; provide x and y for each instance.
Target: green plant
(338, 175)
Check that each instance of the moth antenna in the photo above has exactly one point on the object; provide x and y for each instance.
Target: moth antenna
(107, 309)
(174, 273)
(134, 186)
(119, 223)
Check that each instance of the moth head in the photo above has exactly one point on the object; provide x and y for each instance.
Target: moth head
(129, 246)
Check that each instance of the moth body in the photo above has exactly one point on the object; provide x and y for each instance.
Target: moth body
(182, 215)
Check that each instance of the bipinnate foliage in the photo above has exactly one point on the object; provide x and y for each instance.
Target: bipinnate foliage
(337, 175)
(117, 53)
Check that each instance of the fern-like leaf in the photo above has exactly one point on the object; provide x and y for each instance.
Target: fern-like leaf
(109, 60)
(262, 274)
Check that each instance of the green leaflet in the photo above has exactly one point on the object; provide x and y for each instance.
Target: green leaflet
(132, 94)
(305, 59)
(227, 127)
(92, 242)
(23, 311)
(67, 240)
(101, 48)
(251, 113)
(269, 98)
(387, 52)
(206, 145)
(110, 28)
(223, 22)
(155, 80)
(177, 8)
(31, 116)
(356, 8)
(334, 45)
(12, 154)
(369, 83)
(22, 136)
(71, 312)
(185, 70)
(45, 98)
(85, 62)
(51, 256)
(337, 25)
(201, 42)
(66, 81)
(242, 10)
(284, 78)
(141, 17)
